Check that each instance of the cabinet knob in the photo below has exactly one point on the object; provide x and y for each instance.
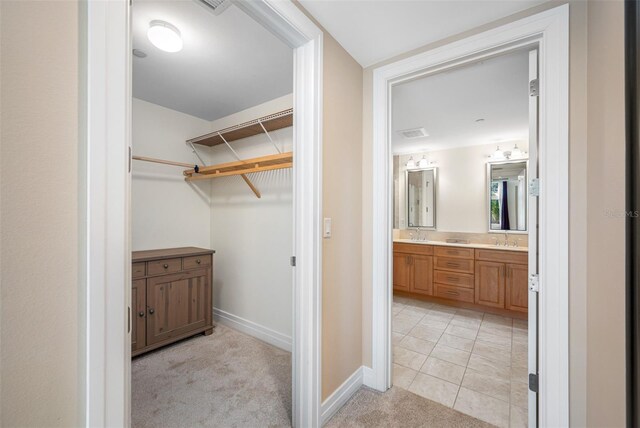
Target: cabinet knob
(198, 261)
(166, 266)
(141, 314)
(151, 311)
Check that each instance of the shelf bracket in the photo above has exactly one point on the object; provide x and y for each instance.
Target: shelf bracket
(269, 137)
(195, 152)
(244, 176)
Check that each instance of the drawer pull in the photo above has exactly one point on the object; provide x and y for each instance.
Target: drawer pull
(453, 278)
(455, 293)
(151, 311)
(141, 314)
(166, 266)
(455, 265)
(198, 261)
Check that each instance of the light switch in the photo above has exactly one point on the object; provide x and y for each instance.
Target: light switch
(327, 228)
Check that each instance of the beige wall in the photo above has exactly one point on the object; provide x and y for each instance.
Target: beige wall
(342, 175)
(605, 191)
(39, 359)
(596, 182)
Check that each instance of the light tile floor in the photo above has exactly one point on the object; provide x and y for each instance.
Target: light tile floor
(472, 361)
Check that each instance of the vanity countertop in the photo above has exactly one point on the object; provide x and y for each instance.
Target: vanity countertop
(447, 244)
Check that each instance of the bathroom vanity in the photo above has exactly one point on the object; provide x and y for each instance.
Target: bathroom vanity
(483, 277)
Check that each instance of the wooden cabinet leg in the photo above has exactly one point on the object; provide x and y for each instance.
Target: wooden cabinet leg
(208, 332)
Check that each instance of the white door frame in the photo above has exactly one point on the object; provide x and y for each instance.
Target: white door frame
(548, 30)
(108, 256)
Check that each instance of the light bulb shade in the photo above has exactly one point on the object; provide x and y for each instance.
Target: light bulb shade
(423, 163)
(411, 163)
(516, 153)
(164, 36)
(498, 154)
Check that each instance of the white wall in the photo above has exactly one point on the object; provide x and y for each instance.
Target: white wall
(167, 211)
(253, 238)
(461, 195)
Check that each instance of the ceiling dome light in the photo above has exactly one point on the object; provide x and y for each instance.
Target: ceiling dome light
(164, 36)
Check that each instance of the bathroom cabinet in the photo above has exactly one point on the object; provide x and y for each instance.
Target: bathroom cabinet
(493, 280)
(414, 271)
(171, 296)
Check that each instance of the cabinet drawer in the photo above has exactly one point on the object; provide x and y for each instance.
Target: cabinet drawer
(454, 293)
(158, 267)
(138, 270)
(519, 257)
(455, 265)
(453, 278)
(423, 249)
(464, 253)
(196, 261)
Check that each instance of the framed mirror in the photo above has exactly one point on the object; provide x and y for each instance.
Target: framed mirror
(421, 198)
(507, 196)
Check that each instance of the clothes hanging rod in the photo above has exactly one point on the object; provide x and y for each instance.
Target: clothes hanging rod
(166, 162)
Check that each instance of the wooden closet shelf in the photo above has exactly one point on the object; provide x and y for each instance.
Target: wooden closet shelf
(272, 122)
(264, 163)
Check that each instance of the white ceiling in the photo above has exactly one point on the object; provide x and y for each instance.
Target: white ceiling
(375, 30)
(448, 104)
(229, 62)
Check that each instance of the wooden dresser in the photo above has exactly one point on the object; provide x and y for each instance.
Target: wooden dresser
(171, 296)
(491, 280)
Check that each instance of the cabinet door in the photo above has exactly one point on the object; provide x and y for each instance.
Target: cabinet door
(139, 309)
(177, 304)
(401, 272)
(490, 279)
(517, 287)
(422, 274)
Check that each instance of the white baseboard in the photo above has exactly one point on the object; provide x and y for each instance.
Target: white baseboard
(368, 377)
(341, 395)
(251, 328)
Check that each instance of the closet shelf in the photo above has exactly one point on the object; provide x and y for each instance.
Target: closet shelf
(271, 122)
(247, 166)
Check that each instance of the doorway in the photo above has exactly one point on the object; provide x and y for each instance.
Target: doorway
(547, 32)
(108, 249)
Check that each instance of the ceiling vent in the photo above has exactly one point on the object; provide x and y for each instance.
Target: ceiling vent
(410, 134)
(216, 6)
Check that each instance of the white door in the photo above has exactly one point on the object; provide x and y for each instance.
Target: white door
(533, 238)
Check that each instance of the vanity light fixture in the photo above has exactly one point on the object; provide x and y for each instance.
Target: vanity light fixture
(411, 163)
(498, 154)
(516, 153)
(423, 163)
(164, 36)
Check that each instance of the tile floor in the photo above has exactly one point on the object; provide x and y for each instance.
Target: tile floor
(472, 361)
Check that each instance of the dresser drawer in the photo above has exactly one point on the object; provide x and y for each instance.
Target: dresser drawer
(454, 278)
(454, 293)
(452, 264)
(158, 267)
(138, 270)
(196, 261)
(463, 253)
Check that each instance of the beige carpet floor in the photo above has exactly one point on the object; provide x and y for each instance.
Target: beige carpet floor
(229, 379)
